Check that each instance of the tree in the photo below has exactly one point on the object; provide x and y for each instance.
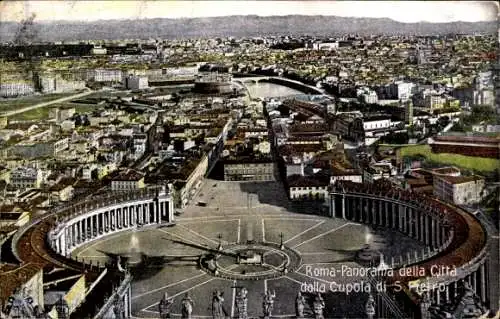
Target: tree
(78, 120)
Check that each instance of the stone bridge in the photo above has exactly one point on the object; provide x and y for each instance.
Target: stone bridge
(280, 80)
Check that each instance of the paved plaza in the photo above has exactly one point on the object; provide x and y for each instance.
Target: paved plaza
(236, 214)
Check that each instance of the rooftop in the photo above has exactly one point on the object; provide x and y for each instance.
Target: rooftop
(461, 179)
(468, 139)
(317, 180)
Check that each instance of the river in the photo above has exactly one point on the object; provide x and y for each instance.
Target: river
(265, 89)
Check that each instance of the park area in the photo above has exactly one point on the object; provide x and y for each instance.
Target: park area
(467, 162)
(43, 113)
(17, 103)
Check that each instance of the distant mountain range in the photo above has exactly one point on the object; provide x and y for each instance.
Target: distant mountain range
(238, 26)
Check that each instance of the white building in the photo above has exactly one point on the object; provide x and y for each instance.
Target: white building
(434, 101)
(105, 75)
(26, 177)
(16, 89)
(459, 190)
(405, 90)
(127, 180)
(307, 187)
(326, 46)
(140, 142)
(368, 96)
(483, 97)
(57, 84)
(133, 82)
(98, 50)
(378, 171)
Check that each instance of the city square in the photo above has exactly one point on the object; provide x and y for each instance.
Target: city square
(246, 214)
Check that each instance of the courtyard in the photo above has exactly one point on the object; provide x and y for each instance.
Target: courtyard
(238, 216)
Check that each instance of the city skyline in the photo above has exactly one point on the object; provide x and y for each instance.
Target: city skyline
(407, 11)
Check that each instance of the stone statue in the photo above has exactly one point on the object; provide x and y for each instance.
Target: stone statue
(62, 308)
(39, 313)
(51, 235)
(165, 306)
(20, 305)
(218, 311)
(370, 307)
(241, 304)
(268, 303)
(187, 306)
(300, 302)
(425, 304)
(119, 307)
(119, 264)
(318, 306)
(467, 286)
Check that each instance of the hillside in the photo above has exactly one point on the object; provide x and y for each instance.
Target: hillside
(237, 26)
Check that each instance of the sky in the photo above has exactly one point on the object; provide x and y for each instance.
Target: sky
(403, 11)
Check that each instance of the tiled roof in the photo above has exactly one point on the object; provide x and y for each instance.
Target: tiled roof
(308, 181)
(461, 179)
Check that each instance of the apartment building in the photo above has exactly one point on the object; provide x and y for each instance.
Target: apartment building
(459, 190)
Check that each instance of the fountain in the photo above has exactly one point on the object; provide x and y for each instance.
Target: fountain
(368, 236)
(134, 256)
(367, 254)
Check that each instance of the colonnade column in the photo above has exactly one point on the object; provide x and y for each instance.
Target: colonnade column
(165, 210)
(155, 210)
(332, 211)
(171, 210)
(366, 210)
(63, 241)
(474, 282)
(343, 207)
(380, 209)
(365, 204)
(402, 221)
(390, 217)
(91, 226)
(73, 235)
(130, 215)
(421, 225)
(139, 214)
(433, 233)
(120, 217)
(482, 274)
(427, 229)
(82, 231)
(112, 219)
(100, 223)
(118, 214)
(443, 235)
(126, 218)
(408, 221)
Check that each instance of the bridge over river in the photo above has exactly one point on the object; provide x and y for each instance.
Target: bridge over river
(297, 85)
